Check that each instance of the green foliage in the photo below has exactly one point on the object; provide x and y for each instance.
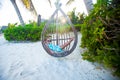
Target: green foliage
(30, 32)
(73, 17)
(77, 27)
(77, 20)
(101, 34)
(12, 25)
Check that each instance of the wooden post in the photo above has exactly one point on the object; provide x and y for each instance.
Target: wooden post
(39, 20)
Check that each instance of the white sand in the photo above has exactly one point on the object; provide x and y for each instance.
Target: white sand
(29, 61)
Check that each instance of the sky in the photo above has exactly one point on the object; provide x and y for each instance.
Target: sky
(8, 14)
(46, 10)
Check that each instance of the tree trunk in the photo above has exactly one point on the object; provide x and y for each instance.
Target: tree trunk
(29, 6)
(18, 12)
(88, 5)
(32, 8)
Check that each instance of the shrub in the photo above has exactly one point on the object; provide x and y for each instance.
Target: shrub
(101, 34)
(30, 32)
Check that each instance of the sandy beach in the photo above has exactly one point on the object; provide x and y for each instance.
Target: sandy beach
(29, 61)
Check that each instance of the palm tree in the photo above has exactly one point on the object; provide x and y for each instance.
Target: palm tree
(18, 12)
(29, 5)
(69, 2)
(88, 4)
